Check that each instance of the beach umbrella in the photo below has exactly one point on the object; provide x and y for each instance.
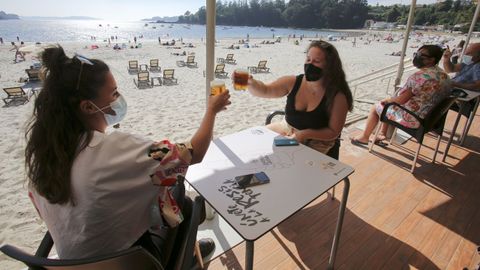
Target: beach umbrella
(474, 21)
(211, 6)
(411, 14)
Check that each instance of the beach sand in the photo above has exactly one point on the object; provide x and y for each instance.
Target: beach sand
(172, 112)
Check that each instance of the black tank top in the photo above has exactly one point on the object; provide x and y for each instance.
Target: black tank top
(316, 119)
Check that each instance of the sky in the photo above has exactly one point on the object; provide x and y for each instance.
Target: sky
(121, 9)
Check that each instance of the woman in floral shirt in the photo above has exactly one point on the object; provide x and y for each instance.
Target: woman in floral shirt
(422, 91)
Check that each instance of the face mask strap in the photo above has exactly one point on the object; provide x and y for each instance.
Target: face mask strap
(100, 109)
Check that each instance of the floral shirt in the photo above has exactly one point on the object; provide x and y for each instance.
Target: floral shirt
(429, 86)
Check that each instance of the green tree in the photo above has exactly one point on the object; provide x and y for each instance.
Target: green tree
(393, 14)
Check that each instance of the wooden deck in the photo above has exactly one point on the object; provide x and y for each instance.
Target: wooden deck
(394, 220)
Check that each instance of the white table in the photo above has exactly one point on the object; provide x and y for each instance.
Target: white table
(298, 175)
(461, 102)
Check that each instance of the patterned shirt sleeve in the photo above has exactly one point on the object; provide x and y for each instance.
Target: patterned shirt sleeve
(476, 73)
(173, 161)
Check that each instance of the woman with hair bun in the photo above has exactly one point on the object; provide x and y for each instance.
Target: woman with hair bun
(95, 190)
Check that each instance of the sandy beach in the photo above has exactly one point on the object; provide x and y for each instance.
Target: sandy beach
(171, 112)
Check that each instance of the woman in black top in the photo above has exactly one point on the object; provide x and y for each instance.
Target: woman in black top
(317, 101)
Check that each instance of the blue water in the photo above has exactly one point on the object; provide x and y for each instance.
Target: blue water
(33, 30)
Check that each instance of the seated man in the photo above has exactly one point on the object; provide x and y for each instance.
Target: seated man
(468, 70)
(467, 75)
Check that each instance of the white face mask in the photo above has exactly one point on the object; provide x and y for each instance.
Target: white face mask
(119, 106)
(467, 59)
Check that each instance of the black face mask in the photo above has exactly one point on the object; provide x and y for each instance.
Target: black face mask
(312, 72)
(418, 62)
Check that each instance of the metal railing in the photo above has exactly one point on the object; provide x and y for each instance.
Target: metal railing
(386, 73)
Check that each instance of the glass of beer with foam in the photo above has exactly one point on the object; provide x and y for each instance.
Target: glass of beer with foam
(217, 87)
(240, 79)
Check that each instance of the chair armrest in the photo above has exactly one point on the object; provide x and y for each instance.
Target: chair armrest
(384, 112)
(45, 246)
(273, 114)
(187, 249)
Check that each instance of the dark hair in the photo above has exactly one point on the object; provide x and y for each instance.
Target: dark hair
(55, 134)
(434, 51)
(333, 74)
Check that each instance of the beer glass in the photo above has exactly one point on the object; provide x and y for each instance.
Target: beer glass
(217, 87)
(240, 79)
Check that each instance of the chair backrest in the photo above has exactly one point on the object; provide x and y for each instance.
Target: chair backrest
(132, 258)
(154, 63)
(143, 76)
(436, 117)
(133, 64)
(191, 59)
(262, 64)
(220, 68)
(230, 56)
(168, 73)
(15, 91)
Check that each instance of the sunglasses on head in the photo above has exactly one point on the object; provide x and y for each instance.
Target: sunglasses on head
(421, 55)
(83, 60)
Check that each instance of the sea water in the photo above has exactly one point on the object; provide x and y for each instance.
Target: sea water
(42, 30)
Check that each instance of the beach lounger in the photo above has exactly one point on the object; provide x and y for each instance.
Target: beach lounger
(220, 71)
(154, 66)
(133, 66)
(190, 62)
(16, 95)
(262, 67)
(33, 74)
(229, 59)
(168, 78)
(143, 80)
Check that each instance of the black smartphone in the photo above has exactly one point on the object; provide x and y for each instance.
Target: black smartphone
(252, 179)
(282, 141)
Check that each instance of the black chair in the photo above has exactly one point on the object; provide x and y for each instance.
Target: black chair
(133, 258)
(433, 122)
(334, 152)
